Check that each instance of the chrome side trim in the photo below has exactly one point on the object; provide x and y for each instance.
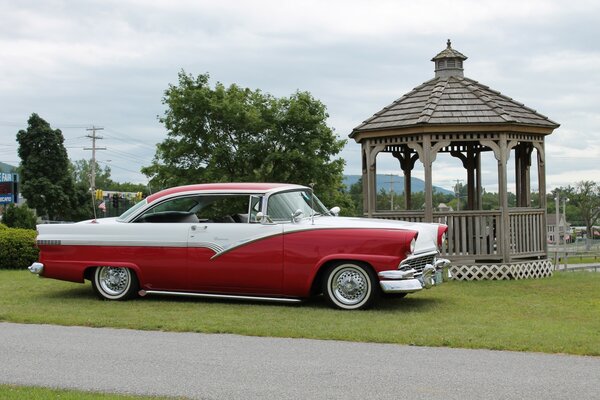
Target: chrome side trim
(219, 296)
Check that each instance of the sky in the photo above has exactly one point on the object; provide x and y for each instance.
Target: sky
(80, 64)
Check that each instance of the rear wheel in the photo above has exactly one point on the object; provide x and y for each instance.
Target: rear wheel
(115, 283)
(350, 286)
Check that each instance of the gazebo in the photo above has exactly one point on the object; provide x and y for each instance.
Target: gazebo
(463, 120)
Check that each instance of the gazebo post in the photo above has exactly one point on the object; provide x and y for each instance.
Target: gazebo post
(407, 163)
(503, 196)
(427, 164)
(479, 204)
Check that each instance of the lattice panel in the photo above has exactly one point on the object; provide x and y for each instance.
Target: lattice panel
(523, 270)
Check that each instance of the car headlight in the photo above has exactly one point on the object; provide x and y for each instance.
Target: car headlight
(412, 245)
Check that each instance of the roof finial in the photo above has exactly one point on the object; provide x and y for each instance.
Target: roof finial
(448, 44)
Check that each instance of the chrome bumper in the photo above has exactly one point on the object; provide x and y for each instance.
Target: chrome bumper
(36, 268)
(396, 281)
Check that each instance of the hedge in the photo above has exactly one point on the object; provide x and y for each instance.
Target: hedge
(17, 248)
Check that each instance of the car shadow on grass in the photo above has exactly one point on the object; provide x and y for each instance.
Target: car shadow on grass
(74, 292)
(408, 303)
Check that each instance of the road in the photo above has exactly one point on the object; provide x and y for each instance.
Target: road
(211, 366)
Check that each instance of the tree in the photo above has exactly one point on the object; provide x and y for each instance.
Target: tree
(226, 134)
(19, 217)
(45, 179)
(82, 171)
(587, 198)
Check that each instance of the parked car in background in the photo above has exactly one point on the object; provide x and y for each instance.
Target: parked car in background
(261, 241)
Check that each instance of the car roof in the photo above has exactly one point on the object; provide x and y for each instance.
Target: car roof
(216, 187)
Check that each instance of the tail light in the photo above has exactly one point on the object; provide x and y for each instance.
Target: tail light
(442, 235)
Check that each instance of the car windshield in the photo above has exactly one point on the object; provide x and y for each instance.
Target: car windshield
(136, 207)
(283, 205)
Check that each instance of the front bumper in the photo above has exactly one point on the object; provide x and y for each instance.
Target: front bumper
(396, 281)
(36, 268)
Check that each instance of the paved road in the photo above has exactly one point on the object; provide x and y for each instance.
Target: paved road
(236, 367)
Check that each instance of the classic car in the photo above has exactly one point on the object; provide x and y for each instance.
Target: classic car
(260, 241)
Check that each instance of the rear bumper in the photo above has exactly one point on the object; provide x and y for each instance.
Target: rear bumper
(396, 281)
(36, 268)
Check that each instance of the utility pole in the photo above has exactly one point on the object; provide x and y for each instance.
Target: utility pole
(556, 229)
(94, 137)
(391, 182)
(457, 192)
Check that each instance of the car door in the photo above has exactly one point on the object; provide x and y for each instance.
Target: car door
(229, 252)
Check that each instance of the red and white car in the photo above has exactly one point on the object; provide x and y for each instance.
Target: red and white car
(262, 241)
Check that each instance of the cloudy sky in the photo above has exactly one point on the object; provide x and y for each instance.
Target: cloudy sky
(107, 63)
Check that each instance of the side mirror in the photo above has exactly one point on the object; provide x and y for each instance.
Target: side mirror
(335, 211)
(263, 219)
(297, 216)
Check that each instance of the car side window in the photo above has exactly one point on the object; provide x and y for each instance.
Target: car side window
(224, 209)
(208, 208)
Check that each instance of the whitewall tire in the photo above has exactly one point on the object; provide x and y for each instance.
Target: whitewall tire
(350, 286)
(115, 283)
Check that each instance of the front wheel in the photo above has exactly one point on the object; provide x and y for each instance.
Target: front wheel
(350, 286)
(115, 283)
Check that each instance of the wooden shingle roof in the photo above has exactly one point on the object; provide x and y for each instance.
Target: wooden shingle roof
(453, 100)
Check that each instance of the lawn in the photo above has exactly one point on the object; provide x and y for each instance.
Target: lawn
(12, 392)
(553, 315)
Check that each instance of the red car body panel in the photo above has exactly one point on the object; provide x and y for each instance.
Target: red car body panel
(281, 265)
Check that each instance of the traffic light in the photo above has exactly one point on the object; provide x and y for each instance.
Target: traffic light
(115, 200)
(99, 194)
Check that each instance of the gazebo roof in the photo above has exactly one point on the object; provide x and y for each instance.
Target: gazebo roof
(453, 100)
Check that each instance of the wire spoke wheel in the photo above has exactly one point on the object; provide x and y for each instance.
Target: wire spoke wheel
(349, 286)
(114, 283)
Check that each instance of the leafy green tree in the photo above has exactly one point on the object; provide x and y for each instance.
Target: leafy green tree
(45, 179)
(19, 217)
(356, 194)
(82, 171)
(586, 197)
(227, 134)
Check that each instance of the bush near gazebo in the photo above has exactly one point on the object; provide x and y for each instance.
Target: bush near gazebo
(17, 247)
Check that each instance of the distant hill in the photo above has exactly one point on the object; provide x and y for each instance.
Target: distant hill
(7, 167)
(383, 182)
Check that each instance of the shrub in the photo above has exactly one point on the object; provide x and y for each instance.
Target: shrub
(17, 248)
(19, 217)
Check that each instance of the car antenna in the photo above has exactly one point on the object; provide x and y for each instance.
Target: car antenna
(312, 202)
(93, 192)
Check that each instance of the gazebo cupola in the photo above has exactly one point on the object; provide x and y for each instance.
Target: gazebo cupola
(449, 62)
(465, 121)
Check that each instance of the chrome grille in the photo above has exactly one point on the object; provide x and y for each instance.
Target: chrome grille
(417, 263)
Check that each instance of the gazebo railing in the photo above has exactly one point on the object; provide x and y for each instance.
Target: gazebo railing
(475, 234)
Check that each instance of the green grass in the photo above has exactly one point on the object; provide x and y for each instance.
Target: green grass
(13, 392)
(553, 315)
(582, 260)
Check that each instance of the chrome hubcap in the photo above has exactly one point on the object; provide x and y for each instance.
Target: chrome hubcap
(114, 280)
(350, 285)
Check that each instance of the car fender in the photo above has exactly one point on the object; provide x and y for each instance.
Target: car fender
(377, 262)
(129, 265)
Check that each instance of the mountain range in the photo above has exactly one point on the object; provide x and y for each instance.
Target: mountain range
(383, 182)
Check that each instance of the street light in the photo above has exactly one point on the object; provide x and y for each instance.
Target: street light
(565, 201)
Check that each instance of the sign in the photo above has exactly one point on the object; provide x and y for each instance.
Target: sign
(8, 187)
(6, 177)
